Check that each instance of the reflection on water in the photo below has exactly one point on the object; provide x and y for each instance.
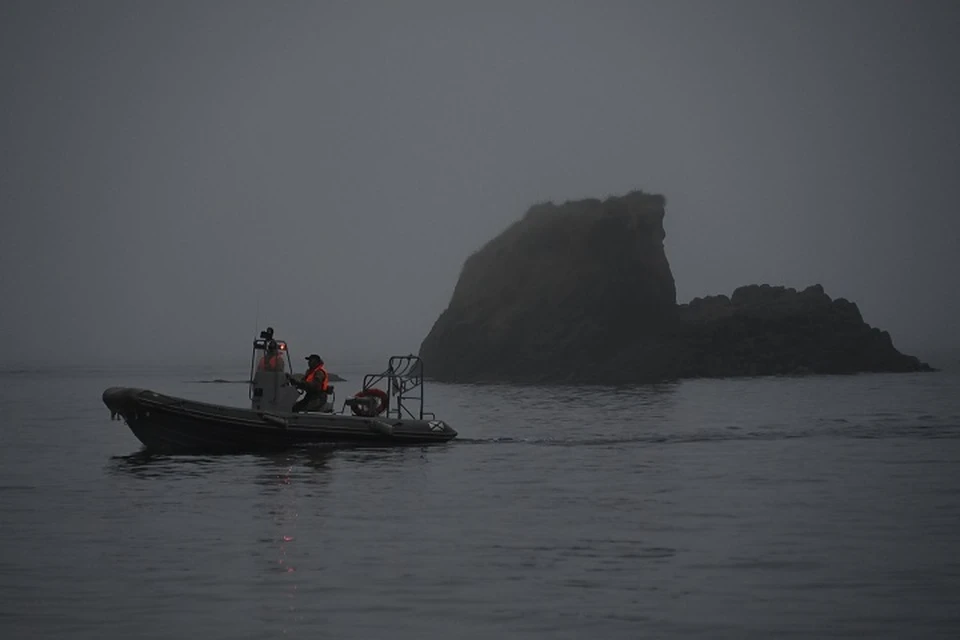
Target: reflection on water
(145, 464)
(286, 484)
(285, 512)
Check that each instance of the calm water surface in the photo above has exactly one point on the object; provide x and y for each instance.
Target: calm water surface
(817, 507)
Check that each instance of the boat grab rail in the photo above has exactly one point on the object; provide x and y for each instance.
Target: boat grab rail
(403, 376)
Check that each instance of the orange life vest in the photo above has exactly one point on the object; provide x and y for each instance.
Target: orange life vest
(271, 363)
(318, 371)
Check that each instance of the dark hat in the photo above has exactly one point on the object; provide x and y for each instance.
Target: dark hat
(314, 356)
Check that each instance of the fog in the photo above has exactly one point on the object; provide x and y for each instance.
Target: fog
(177, 175)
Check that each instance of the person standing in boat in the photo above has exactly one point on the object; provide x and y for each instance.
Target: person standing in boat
(272, 360)
(315, 384)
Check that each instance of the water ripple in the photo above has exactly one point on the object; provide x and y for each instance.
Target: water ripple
(738, 508)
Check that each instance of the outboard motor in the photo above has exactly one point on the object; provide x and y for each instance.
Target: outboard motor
(269, 388)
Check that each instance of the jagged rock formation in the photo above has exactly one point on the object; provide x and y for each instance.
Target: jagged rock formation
(764, 330)
(583, 292)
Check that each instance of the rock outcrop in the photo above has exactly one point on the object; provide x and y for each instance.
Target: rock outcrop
(771, 330)
(583, 292)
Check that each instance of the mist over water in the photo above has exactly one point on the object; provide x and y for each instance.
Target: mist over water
(174, 171)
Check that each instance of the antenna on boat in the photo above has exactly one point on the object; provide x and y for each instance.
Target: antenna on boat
(253, 352)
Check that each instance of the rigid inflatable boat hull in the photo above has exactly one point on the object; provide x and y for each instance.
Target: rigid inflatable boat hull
(170, 424)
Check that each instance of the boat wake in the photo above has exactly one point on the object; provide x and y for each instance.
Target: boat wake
(733, 433)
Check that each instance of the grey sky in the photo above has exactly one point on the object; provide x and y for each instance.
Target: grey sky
(167, 165)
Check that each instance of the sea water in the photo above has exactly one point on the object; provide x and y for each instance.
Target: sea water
(753, 508)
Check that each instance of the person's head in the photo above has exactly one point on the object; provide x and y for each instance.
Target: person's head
(314, 360)
(272, 346)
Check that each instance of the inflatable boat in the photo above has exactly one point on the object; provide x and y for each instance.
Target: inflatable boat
(390, 414)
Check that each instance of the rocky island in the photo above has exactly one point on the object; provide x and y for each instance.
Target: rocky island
(583, 292)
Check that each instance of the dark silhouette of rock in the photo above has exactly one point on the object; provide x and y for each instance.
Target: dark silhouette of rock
(583, 292)
(769, 330)
(554, 289)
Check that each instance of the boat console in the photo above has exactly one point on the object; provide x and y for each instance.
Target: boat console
(401, 399)
(270, 391)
